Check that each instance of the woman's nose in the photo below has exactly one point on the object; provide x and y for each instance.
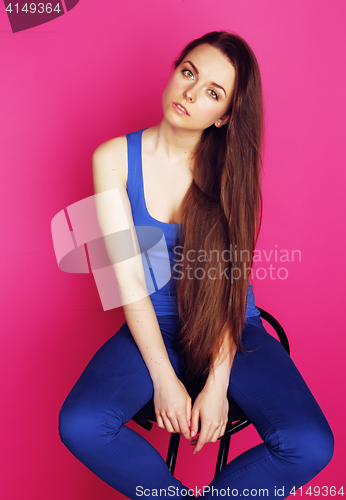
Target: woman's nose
(190, 94)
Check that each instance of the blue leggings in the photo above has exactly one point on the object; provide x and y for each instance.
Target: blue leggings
(297, 440)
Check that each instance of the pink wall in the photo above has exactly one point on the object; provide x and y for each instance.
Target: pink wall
(96, 73)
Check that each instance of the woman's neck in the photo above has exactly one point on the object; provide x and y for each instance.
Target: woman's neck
(176, 145)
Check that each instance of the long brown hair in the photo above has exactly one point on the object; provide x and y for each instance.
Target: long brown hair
(222, 210)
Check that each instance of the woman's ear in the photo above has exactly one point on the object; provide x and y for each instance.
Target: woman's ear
(222, 121)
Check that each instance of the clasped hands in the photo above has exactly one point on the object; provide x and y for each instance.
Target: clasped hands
(174, 412)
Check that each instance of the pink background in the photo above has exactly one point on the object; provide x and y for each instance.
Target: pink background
(99, 72)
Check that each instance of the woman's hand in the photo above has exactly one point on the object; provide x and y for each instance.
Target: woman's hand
(211, 406)
(172, 405)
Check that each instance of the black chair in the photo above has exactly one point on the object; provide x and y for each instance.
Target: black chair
(237, 420)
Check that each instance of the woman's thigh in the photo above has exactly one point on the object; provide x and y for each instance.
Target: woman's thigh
(268, 387)
(112, 388)
(114, 385)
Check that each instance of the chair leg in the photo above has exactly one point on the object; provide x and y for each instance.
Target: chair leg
(172, 451)
(223, 454)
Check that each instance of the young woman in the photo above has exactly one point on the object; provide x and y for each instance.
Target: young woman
(196, 177)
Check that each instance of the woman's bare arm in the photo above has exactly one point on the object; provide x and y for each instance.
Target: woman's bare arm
(173, 411)
(220, 371)
(211, 405)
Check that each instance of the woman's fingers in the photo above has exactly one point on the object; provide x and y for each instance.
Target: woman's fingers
(175, 424)
(217, 433)
(188, 418)
(184, 427)
(168, 424)
(210, 433)
(179, 423)
(223, 430)
(203, 436)
(211, 407)
(194, 422)
(159, 421)
(164, 422)
(173, 408)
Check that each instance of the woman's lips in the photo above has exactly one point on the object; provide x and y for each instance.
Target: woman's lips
(179, 108)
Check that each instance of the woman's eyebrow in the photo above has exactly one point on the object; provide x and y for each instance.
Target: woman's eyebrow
(219, 87)
(213, 83)
(194, 67)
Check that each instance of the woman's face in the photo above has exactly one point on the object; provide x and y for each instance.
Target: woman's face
(199, 90)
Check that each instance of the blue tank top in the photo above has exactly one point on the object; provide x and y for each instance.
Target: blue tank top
(156, 239)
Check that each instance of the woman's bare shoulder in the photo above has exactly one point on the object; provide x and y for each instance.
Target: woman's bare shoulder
(110, 158)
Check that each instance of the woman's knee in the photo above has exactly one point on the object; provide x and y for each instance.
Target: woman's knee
(316, 446)
(72, 422)
(84, 422)
(306, 449)
(79, 423)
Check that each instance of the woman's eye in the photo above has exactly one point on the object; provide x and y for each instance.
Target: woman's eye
(187, 73)
(213, 94)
